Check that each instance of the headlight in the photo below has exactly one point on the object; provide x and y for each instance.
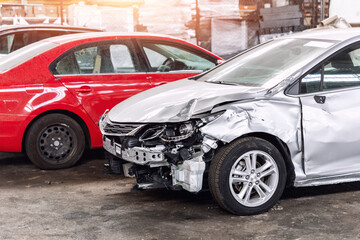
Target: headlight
(212, 117)
(186, 128)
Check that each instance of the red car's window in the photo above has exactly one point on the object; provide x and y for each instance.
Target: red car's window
(66, 65)
(101, 58)
(166, 58)
(88, 60)
(121, 59)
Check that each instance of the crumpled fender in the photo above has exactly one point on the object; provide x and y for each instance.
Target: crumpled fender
(279, 116)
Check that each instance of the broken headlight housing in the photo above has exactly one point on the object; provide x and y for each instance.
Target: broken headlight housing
(212, 117)
(175, 133)
(186, 128)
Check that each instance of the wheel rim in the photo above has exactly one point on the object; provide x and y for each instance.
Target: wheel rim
(56, 142)
(254, 178)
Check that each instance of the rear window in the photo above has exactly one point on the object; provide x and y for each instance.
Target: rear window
(24, 54)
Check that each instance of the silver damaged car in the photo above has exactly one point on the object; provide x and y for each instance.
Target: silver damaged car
(285, 113)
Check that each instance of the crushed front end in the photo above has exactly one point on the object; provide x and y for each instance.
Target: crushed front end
(161, 155)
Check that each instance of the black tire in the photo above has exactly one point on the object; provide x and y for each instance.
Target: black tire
(55, 141)
(229, 195)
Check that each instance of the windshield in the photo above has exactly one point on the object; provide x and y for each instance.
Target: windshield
(24, 54)
(267, 64)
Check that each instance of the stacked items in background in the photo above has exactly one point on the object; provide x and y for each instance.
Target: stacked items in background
(278, 21)
(166, 17)
(162, 17)
(106, 18)
(312, 12)
(221, 29)
(13, 13)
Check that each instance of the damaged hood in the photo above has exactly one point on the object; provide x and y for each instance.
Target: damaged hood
(178, 101)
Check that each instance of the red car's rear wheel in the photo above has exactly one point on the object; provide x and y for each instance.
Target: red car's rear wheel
(55, 141)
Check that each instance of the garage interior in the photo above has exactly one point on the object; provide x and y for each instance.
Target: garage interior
(84, 202)
(211, 24)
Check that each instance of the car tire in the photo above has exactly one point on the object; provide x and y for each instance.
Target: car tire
(248, 176)
(55, 141)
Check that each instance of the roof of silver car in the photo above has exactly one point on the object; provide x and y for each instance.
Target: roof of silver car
(327, 34)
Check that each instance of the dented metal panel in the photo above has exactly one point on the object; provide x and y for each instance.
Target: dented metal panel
(279, 116)
(331, 136)
(178, 101)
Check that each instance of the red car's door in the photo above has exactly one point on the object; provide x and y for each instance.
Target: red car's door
(169, 60)
(101, 74)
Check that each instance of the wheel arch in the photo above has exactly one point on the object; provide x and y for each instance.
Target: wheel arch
(74, 116)
(283, 149)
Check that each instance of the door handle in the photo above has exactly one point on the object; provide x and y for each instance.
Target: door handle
(320, 99)
(83, 89)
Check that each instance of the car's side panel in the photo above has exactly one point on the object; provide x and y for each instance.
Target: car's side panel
(18, 89)
(15, 116)
(331, 136)
(97, 93)
(25, 94)
(279, 116)
(109, 77)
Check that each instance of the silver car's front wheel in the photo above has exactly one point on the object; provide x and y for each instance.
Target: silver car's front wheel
(247, 176)
(253, 178)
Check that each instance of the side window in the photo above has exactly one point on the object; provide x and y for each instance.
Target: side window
(156, 59)
(22, 39)
(311, 82)
(6, 43)
(121, 59)
(88, 60)
(340, 71)
(66, 65)
(97, 59)
(166, 58)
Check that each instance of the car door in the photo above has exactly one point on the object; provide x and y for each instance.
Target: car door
(169, 61)
(101, 75)
(331, 116)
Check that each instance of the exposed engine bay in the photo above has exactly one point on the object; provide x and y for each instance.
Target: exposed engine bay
(169, 155)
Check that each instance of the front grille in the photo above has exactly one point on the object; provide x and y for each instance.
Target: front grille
(122, 129)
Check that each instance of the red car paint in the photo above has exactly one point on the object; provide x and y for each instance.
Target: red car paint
(29, 90)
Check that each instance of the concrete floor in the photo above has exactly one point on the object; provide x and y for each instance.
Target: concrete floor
(83, 203)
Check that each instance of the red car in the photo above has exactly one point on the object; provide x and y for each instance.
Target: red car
(53, 92)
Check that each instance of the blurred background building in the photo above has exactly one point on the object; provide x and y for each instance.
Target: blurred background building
(225, 27)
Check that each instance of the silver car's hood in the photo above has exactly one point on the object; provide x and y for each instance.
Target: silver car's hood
(178, 101)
